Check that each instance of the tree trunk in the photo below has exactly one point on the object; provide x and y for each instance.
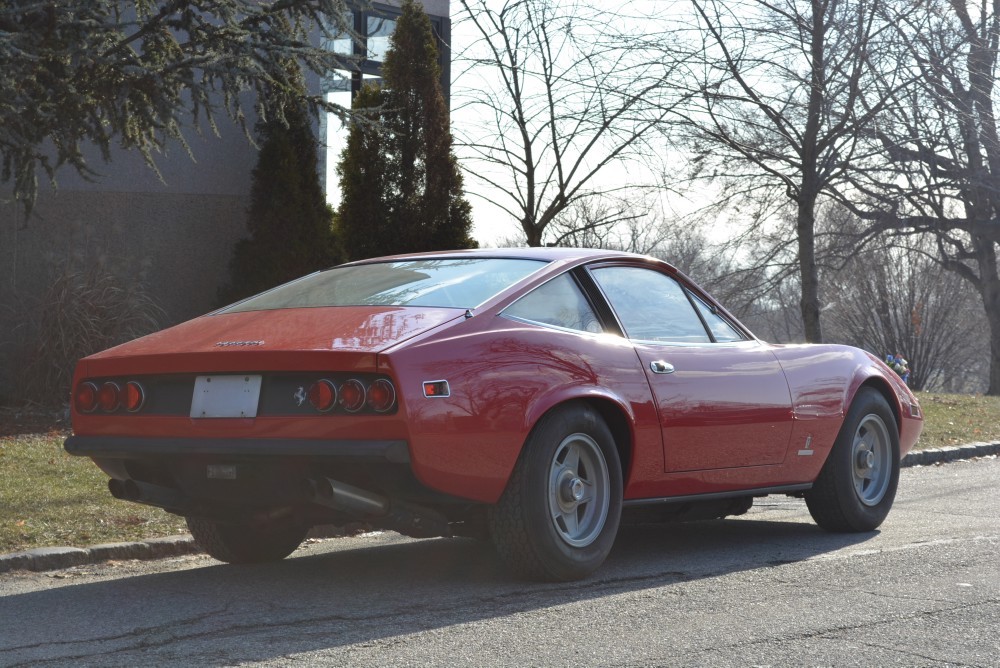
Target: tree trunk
(993, 317)
(809, 304)
(990, 291)
(532, 234)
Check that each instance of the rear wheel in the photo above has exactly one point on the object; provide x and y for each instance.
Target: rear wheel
(857, 485)
(246, 543)
(559, 515)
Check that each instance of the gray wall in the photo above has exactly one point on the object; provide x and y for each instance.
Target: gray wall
(174, 234)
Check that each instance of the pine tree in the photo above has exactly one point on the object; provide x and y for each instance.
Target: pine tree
(289, 222)
(363, 222)
(141, 74)
(402, 189)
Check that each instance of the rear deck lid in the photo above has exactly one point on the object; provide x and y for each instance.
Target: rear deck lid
(298, 338)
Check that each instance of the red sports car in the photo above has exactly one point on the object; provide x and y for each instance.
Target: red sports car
(529, 395)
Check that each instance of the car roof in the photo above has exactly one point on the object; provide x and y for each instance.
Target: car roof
(547, 253)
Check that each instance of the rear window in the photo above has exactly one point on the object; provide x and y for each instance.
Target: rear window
(456, 283)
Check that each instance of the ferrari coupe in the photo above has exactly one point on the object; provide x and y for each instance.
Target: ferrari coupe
(531, 396)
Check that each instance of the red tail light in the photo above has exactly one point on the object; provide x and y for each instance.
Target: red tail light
(322, 395)
(109, 397)
(352, 395)
(135, 396)
(85, 397)
(381, 395)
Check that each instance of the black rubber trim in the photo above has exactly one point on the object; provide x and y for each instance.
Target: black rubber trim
(758, 491)
(127, 447)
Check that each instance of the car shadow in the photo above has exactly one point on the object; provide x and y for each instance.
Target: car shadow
(347, 595)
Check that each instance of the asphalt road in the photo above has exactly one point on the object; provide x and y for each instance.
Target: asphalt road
(765, 589)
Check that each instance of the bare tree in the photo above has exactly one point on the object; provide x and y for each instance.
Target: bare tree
(584, 223)
(781, 107)
(898, 300)
(562, 98)
(942, 141)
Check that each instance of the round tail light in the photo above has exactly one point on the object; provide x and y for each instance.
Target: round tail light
(381, 395)
(109, 397)
(322, 395)
(352, 395)
(85, 397)
(135, 396)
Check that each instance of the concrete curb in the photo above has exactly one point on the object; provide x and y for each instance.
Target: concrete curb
(950, 454)
(55, 558)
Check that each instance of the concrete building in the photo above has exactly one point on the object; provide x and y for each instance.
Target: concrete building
(175, 235)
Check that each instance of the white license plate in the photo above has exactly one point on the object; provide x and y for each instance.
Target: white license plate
(225, 396)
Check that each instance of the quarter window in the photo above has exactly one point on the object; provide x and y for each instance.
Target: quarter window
(651, 306)
(558, 302)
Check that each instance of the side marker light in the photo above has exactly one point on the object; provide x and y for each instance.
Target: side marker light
(436, 388)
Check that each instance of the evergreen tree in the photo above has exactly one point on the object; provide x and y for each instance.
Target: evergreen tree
(289, 222)
(140, 74)
(363, 223)
(402, 190)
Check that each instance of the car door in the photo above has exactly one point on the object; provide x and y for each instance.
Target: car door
(722, 398)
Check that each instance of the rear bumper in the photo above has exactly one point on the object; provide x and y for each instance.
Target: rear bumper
(244, 479)
(127, 447)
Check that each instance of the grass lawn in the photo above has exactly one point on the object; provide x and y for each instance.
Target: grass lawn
(48, 497)
(956, 419)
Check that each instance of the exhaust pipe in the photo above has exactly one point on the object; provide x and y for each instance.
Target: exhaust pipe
(407, 519)
(346, 498)
(148, 494)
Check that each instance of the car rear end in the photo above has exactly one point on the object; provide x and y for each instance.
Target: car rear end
(245, 431)
(280, 409)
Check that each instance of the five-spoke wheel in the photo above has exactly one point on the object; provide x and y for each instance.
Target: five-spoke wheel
(559, 515)
(579, 490)
(857, 485)
(872, 460)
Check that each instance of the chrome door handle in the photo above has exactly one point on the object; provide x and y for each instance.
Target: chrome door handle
(659, 366)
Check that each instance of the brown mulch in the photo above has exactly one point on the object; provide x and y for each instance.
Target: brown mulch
(33, 420)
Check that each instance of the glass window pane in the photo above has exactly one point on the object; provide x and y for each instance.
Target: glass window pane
(379, 31)
(651, 306)
(559, 302)
(721, 329)
(457, 283)
(341, 43)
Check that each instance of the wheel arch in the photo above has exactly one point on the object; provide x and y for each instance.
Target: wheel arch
(614, 413)
(881, 386)
(621, 431)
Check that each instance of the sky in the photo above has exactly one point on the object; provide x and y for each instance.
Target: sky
(492, 225)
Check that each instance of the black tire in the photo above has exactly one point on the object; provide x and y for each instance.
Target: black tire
(857, 485)
(245, 543)
(559, 515)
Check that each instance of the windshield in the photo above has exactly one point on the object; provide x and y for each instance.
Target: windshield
(458, 283)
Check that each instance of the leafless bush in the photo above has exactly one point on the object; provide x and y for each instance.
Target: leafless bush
(84, 309)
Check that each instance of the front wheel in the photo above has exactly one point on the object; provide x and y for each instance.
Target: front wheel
(857, 485)
(246, 543)
(559, 515)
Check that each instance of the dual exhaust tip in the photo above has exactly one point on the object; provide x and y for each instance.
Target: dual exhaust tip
(322, 491)
(406, 518)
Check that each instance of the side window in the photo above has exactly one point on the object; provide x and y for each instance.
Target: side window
(558, 302)
(651, 306)
(721, 329)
